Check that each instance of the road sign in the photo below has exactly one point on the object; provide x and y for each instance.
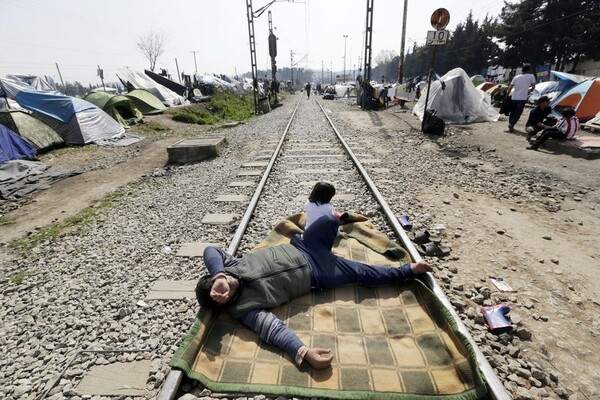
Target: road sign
(437, 38)
(440, 19)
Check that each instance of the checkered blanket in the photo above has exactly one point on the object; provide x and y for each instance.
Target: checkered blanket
(389, 342)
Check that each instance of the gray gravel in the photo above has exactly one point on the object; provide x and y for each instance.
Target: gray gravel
(82, 290)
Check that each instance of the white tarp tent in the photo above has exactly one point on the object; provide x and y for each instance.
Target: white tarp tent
(456, 100)
(139, 80)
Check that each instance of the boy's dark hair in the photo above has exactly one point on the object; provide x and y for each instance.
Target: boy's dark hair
(525, 68)
(203, 292)
(568, 112)
(322, 193)
(543, 99)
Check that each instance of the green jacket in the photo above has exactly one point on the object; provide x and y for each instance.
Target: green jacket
(268, 278)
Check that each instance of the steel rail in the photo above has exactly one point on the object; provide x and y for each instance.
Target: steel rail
(175, 376)
(498, 392)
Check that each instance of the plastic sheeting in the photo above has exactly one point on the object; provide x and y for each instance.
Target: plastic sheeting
(458, 101)
(13, 146)
(139, 80)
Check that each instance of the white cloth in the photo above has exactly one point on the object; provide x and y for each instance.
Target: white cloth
(521, 83)
(314, 211)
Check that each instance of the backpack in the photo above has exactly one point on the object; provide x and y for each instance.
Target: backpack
(433, 124)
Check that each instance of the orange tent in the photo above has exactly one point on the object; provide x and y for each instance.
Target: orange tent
(584, 98)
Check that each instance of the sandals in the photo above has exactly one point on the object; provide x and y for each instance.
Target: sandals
(423, 237)
(433, 250)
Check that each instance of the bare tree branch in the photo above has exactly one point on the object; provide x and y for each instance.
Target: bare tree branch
(152, 45)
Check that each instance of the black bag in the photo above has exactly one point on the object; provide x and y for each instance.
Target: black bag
(507, 106)
(433, 124)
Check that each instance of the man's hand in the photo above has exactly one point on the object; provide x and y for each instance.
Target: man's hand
(220, 290)
(319, 358)
(421, 267)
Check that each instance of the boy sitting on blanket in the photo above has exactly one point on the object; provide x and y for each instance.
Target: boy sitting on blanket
(248, 287)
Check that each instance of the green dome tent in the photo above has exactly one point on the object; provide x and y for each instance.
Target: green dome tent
(146, 102)
(36, 132)
(120, 108)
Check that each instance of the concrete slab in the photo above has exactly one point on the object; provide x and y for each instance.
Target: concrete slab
(316, 171)
(294, 150)
(371, 161)
(312, 183)
(219, 219)
(382, 170)
(195, 249)
(233, 198)
(255, 164)
(314, 156)
(250, 173)
(299, 162)
(116, 379)
(172, 290)
(266, 157)
(241, 184)
(193, 150)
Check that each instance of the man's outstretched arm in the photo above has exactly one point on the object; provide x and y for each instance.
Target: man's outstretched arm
(273, 331)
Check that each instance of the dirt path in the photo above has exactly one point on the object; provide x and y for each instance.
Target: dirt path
(70, 196)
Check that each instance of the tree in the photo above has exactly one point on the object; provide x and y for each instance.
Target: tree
(152, 45)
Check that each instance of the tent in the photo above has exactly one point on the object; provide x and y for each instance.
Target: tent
(456, 100)
(477, 80)
(13, 146)
(120, 108)
(76, 121)
(493, 89)
(146, 102)
(31, 129)
(166, 82)
(485, 86)
(584, 98)
(138, 80)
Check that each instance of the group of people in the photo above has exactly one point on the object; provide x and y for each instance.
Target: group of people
(248, 287)
(540, 125)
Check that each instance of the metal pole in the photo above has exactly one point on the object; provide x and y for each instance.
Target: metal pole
(101, 78)
(292, 67)
(345, 37)
(195, 64)
(425, 114)
(322, 79)
(178, 74)
(401, 63)
(60, 75)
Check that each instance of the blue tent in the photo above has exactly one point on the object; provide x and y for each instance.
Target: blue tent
(76, 121)
(13, 146)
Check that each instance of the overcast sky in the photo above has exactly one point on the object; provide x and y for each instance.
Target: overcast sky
(79, 35)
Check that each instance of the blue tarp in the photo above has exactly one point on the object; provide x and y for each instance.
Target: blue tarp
(13, 146)
(53, 105)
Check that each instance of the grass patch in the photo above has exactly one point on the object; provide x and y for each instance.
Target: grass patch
(153, 128)
(74, 223)
(6, 221)
(231, 107)
(18, 278)
(195, 116)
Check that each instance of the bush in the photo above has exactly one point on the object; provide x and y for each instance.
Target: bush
(194, 116)
(231, 107)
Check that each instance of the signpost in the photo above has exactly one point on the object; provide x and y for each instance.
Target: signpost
(439, 37)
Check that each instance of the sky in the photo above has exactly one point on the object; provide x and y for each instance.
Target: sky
(80, 35)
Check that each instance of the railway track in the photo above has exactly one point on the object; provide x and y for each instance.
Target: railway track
(312, 149)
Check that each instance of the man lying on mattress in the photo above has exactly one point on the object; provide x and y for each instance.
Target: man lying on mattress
(248, 287)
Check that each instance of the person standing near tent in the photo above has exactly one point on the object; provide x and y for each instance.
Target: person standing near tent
(523, 84)
(307, 88)
(248, 287)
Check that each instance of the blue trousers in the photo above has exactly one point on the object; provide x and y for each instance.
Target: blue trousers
(515, 114)
(329, 270)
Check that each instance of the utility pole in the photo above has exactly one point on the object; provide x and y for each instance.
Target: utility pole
(292, 67)
(60, 76)
(401, 63)
(195, 65)
(178, 74)
(345, 37)
(322, 79)
(101, 75)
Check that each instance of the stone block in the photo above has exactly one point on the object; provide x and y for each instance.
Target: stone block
(194, 150)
